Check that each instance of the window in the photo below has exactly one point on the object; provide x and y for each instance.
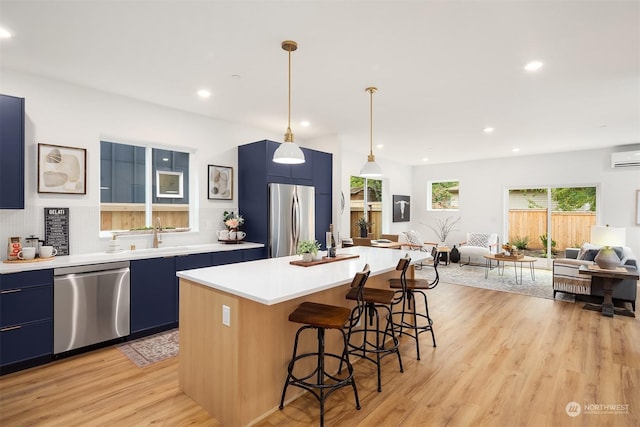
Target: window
(366, 202)
(138, 184)
(444, 195)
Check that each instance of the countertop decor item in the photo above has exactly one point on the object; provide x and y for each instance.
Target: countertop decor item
(232, 221)
(308, 248)
(289, 152)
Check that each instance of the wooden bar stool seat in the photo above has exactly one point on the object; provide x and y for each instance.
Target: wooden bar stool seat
(368, 340)
(322, 317)
(412, 323)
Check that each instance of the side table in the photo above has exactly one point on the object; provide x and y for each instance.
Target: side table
(611, 278)
(444, 254)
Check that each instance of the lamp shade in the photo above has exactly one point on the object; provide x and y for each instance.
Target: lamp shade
(608, 236)
(288, 153)
(371, 170)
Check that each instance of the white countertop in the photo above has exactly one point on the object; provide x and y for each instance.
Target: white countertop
(102, 257)
(274, 280)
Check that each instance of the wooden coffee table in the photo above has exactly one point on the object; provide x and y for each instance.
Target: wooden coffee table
(516, 262)
(611, 278)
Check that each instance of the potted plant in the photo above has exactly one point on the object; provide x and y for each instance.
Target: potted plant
(308, 248)
(364, 226)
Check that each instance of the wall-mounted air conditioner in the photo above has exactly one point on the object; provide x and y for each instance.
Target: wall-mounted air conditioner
(625, 159)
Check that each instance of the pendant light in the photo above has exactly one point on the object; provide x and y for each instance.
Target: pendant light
(288, 152)
(371, 169)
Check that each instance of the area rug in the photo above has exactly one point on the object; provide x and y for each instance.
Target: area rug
(155, 348)
(470, 275)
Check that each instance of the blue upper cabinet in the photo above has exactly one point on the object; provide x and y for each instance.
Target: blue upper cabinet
(12, 149)
(256, 170)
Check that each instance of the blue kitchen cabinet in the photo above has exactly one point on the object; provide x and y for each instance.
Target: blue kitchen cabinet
(12, 149)
(256, 170)
(153, 295)
(252, 254)
(227, 257)
(26, 319)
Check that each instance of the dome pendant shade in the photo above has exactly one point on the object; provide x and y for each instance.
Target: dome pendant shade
(371, 169)
(288, 152)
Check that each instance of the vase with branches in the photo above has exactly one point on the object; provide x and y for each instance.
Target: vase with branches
(443, 227)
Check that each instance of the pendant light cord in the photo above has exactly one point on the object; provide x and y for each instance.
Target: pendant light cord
(371, 91)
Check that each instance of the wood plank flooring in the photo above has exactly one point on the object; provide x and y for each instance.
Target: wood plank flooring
(502, 360)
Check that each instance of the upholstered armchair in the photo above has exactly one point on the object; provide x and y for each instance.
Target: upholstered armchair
(477, 245)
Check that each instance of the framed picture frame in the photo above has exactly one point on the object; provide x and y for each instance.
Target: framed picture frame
(401, 208)
(62, 169)
(169, 185)
(220, 182)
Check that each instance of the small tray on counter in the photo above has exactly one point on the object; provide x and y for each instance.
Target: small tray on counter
(324, 260)
(20, 261)
(231, 241)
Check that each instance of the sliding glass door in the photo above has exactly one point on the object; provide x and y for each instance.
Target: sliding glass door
(545, 221)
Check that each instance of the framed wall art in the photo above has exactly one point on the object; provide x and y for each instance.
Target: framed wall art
(62, 169)
(401, 208)
(220, 182)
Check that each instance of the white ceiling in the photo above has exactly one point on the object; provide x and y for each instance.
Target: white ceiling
(445, 70)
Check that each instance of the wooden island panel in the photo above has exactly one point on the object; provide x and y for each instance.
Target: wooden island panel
(236, 373)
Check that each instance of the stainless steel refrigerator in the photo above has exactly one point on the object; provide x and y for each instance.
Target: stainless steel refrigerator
(291, 217)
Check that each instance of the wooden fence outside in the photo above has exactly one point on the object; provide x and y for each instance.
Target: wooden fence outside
(568, 229)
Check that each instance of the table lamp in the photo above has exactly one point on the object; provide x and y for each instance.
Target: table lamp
(607, 237)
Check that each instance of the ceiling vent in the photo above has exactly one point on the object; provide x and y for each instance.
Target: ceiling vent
(625, 159)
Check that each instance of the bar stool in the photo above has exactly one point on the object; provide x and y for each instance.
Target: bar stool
(320, 317)
(374, 341)
(406, 294)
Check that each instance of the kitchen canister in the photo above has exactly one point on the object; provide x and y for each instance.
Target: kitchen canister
(14, 247)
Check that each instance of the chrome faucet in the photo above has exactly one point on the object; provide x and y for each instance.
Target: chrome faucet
(157, 238)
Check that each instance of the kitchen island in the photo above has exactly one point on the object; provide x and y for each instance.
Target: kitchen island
(235, 337)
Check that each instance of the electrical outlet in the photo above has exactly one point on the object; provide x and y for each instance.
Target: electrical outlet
(226, 315)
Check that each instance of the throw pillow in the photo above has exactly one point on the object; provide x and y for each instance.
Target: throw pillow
(414, 237)
(588, 254)
(478, 239)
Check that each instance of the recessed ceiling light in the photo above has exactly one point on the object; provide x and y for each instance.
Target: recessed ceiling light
(204, 93)
(533, 66)
(515, 150)
(4, 34)
(305, 123)
(425, 159)
(488, 129)
(380, 146)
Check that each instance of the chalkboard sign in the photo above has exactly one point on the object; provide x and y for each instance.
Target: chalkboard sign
(56, 229)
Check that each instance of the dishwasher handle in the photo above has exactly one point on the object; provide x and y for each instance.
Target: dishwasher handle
(92, 274)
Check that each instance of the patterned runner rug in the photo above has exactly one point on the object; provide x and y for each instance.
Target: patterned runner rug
(155, 348)
(470, 275)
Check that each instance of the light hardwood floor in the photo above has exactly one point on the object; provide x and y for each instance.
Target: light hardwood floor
(502, 360)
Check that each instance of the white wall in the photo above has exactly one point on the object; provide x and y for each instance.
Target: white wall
(64, 114)
(483, 185)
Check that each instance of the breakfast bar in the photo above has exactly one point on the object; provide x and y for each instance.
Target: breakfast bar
(235, 337)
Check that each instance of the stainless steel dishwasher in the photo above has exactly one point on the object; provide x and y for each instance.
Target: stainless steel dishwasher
(91, 304)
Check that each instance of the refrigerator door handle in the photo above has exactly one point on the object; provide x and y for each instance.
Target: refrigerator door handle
(295, 222)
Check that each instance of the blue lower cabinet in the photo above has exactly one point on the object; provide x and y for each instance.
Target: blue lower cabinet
(26, 319)
(26, 341)
(254, 254)
(227, 257)
(153, 294)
